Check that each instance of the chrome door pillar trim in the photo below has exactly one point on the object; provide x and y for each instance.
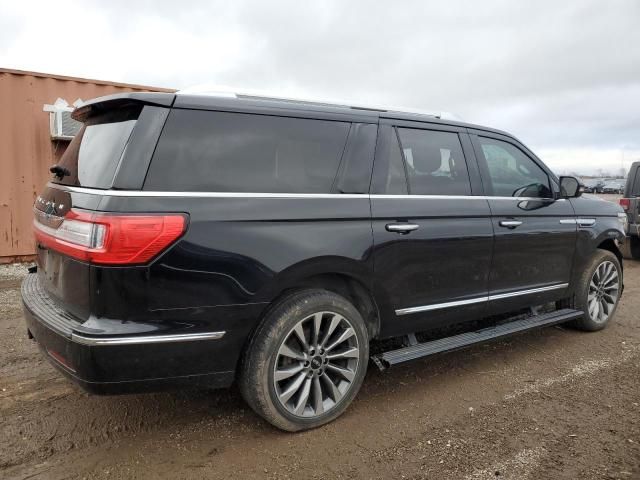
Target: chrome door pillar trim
(491, 297)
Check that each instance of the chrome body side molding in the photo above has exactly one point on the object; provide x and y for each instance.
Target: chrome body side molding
(438, 306)
(488, 298)
(529, 291)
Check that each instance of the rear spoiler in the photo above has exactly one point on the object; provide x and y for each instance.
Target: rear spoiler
(119, 100)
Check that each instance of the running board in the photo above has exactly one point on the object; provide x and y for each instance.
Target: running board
(393, 357)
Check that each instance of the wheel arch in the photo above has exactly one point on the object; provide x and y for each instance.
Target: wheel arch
(345, 285)
(342, 275)
(610, 245)
(589, 242)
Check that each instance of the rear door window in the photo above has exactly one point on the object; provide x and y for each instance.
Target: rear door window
(92, 157)
(235, 152)
(434, 162)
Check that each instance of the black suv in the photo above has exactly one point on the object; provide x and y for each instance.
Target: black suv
(197, 240)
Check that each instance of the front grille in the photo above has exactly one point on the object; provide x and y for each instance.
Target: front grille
(44, 308)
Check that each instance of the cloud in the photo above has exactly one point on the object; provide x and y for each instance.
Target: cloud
(562, 76)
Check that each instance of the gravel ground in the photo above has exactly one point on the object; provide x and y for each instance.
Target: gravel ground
(549, 404)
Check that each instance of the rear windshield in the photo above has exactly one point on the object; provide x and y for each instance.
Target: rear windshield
(92, 158)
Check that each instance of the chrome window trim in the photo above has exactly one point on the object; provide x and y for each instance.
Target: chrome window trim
(148, 193)
(148, 339)
(488, 298)
(467, 197)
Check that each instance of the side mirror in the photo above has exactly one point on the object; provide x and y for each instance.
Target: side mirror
(570, 187)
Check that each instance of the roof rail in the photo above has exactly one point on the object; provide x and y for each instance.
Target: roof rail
(227, 92)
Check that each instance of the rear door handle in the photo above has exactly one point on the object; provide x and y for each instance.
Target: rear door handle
(510, 223)
(401, 228)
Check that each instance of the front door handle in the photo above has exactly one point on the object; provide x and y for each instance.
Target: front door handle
(510, 223)
(401, 228)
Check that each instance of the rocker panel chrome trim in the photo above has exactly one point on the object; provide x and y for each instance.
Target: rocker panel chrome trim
(438, 306)
(499, 296)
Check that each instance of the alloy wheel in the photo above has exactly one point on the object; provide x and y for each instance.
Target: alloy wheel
(604, 290)
(316, 364)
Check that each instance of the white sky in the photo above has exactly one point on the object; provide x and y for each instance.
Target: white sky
(562, 76)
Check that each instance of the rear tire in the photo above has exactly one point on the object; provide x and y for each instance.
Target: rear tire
(306, 360)
(598, 292)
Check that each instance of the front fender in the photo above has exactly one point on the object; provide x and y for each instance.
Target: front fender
(606, 233)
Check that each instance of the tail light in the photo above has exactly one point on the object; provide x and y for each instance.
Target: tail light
(625, 203)
(112, 239)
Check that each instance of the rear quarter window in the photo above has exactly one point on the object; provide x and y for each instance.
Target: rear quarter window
(237, 152)
(93, 156)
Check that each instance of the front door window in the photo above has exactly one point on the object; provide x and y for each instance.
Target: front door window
(512, 173)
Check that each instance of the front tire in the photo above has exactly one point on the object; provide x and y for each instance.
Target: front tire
(306, 361)
(599, 290)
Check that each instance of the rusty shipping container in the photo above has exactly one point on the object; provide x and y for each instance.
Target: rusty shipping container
(27, 150)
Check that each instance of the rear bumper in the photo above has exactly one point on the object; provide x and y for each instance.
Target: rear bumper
(123, 363)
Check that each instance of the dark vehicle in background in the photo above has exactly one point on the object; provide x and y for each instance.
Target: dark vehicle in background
(630, 202)
(593, 185)
(613, 186)
(198, 240)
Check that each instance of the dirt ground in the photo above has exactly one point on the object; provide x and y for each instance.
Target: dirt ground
(553, 403)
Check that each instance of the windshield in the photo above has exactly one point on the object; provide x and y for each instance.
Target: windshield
(92, 158)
